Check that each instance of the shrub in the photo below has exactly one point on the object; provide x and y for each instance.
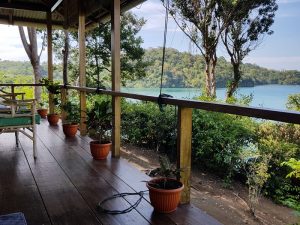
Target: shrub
(145, 125)
(218, 140)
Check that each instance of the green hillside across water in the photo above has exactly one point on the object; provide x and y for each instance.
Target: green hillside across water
(182, 69)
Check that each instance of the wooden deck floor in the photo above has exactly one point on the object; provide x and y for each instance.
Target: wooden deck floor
(64, 185)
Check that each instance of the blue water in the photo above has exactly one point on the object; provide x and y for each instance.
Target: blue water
(266, 96)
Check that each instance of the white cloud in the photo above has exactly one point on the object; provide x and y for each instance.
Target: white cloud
(154, 12)
(11, 47)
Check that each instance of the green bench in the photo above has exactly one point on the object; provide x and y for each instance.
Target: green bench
(20, 117)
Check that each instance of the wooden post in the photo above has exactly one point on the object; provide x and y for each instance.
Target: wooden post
(184, 150)
(82, 78)
(116, 101)
(13, 97)
(63, 93)
(50, 58)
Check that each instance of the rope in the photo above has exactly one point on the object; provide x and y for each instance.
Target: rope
(101, 209)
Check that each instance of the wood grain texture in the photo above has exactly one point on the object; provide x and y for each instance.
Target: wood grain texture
(64, 184)
(116, 76)
(50, 58)
(184, 150)
(82, 62)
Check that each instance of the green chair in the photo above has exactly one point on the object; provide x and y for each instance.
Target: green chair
(19, 116)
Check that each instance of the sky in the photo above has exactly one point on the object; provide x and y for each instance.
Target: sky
(280, 51)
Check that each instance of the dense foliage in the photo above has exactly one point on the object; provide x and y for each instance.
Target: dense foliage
(183, 69)
(225, 144)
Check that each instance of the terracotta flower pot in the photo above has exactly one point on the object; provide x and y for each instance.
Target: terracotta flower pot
(43, 113)
(70, 130)
(100, 151)
(53, 119)
(164, 200)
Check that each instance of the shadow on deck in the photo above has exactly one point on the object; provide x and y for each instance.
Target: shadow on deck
(64, 185)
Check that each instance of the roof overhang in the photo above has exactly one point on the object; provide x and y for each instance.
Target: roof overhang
(64, 13)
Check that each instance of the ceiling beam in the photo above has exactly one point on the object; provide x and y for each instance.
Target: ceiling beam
(24, 6)
(55, 5)
(29, 22)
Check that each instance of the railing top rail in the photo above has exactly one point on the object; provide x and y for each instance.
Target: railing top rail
(21, 85)
(262, 113)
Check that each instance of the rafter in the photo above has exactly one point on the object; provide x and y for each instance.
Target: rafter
(24, 6)
(55, 5)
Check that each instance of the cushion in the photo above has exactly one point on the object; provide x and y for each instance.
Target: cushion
(18, 121)
(13, 219)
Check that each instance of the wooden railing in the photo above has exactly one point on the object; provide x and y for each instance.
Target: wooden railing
(184, 135)
(262, 113)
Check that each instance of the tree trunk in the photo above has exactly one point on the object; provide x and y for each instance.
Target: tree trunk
(31, 50)
(37, 76)
(213, 76)
(207, 77)
(210, 81)
(236, 79)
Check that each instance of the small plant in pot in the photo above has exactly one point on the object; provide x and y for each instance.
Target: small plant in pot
(99, 125)
(165, 190)
(70, 125)
(43, 109)
(53, 88)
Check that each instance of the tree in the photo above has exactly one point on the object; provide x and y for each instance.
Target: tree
(293, 102)
(31, 49)
(245, 32)
(99, 51)
(199, 20)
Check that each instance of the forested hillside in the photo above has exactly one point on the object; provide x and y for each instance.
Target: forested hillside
(12, 69)
(183, 69)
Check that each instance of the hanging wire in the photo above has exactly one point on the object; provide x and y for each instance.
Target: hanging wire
(164, 44)
(159, 100)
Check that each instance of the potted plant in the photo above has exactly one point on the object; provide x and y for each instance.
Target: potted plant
(70, 125)
(165, 190)
(99, 125)
(53, 88)
(42, 110)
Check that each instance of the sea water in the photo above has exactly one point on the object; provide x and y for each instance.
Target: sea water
(266, 96)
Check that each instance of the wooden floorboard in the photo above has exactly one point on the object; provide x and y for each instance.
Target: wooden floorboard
(63, 202)
(133, 180)
(18, 190)
(144, 208)
(65, 184)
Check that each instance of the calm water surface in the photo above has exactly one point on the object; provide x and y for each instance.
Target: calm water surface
(266, 96)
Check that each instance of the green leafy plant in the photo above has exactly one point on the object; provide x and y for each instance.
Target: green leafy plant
(295, 166)
(99, 120)
(257, 176)
(53, 88)
(166, 170)
(73, 113)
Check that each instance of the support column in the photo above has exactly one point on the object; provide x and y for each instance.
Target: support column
(82, 61)
(116, 101)
(50, 58)
(64, 100)
(184, 150)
